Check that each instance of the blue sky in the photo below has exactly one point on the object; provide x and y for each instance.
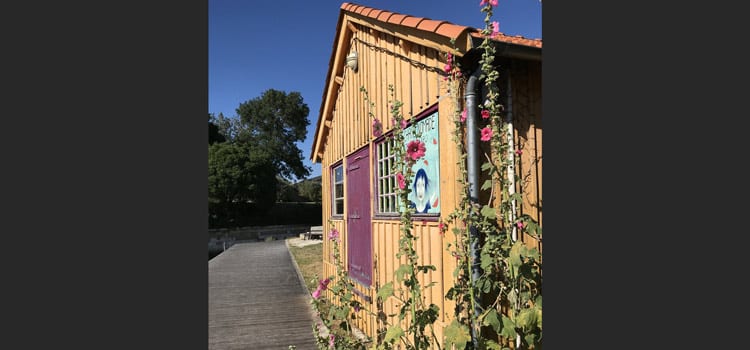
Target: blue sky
(286, 45)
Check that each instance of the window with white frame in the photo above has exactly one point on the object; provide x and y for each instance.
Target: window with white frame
(338, 190)
(386, 178)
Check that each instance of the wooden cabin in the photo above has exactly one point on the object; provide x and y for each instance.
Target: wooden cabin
(358, 189)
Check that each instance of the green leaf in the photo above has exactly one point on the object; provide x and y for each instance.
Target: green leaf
(486, 165)
(486, 285)
(488, 212)
(456, 334)
(492, 320)
(426, 268)
(526, 318)
(451, 293)
(538, 310)
(490, 344)
(385, 291)
(516, 197)
(515, 254)
(393, 333)
(403, 270)
(341, 313)
(485, 260)
(532, 254)
(530, 338)
(487, 184)
(509, 328)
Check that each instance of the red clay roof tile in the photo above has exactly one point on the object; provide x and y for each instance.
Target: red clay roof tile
(410, 21)
(383, 16)
(444, 28)
(450, 30)
(516, 39)
(396, 18)
(429, 25)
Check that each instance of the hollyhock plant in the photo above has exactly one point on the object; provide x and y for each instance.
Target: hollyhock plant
(520, 224)
(334, 234)
(401, 181)
(491, 2)
(324, 284)
(485, 114)
(495, 27)
(486, 133)
(377, 128)
(415, 149)
(316, 293)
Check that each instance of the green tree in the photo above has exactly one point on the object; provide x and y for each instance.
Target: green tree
(273, 123)
(213, 132)
(238, 174)
(311, 189)
(287, 191)
(228, 127)
(259, 151)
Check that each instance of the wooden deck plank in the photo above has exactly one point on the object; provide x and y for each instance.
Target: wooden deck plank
(256, 301)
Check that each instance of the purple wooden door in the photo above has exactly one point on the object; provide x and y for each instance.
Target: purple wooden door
(358, 216)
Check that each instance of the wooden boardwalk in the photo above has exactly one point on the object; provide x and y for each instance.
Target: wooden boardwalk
(256, 300)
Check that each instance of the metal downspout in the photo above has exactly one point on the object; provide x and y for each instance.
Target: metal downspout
(511, 154)
(472, 160)
(511, 167)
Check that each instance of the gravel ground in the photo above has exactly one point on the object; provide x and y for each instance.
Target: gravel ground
(297, 242)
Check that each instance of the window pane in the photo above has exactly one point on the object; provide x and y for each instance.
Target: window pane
(339, 174)
(339, 206)
(339, 190)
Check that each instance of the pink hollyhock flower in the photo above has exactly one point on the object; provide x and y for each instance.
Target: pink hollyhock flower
(323, 285)
(403, 124)
(401, 181)
(493, 2)
(449, 58)
(486, 133)
(519, 151)
(377, 128)
(485, 114)
(331, 340)
(483, 2)
(316, 294)
(447, 68)
(520, 224)
(463, 116)
(334, 234)
(415, 149)
(495, 27)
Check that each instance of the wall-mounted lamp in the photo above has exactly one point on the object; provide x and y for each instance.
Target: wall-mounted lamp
(351, 60)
